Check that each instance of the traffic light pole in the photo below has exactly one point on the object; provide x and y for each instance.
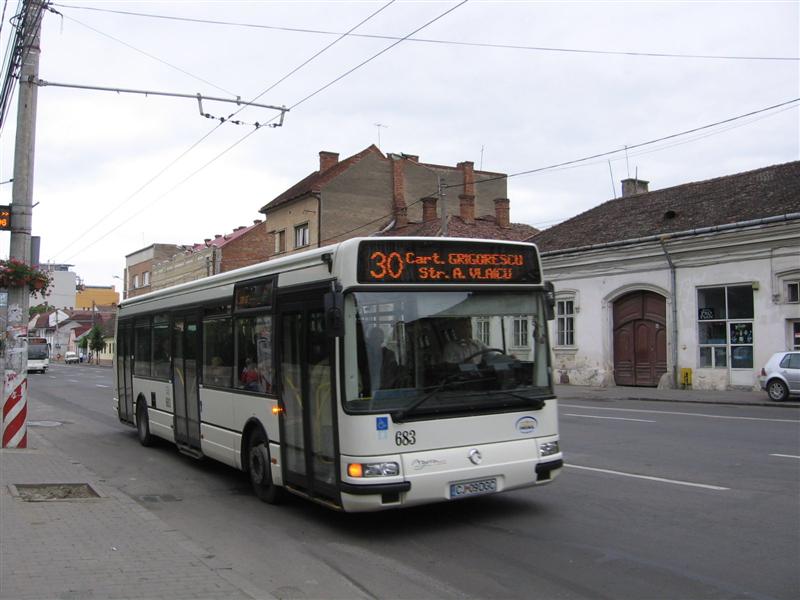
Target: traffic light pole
(15, 381)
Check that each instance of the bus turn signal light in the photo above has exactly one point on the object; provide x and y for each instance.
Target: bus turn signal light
(276, 410)
(355, 470)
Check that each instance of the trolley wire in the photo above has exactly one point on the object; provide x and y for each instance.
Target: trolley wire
(503, 46)
(243, 138)
(584, 161)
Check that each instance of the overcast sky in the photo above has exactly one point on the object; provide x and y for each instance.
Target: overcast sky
(116, 172)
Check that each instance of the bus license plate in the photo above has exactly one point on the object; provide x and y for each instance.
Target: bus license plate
(473, 488)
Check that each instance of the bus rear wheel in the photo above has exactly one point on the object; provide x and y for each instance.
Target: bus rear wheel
(258, 468)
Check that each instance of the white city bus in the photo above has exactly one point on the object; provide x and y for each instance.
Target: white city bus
(372, 374)
(38, 354)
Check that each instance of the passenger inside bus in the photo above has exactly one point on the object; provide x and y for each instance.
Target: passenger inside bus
(250, 378)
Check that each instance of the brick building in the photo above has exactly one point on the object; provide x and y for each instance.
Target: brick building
(139, 267)
(371, 192)
(245, 245)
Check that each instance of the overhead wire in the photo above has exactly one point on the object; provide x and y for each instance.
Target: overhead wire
(435, 41)
(584, 161)
(243, 138)
(207, 135)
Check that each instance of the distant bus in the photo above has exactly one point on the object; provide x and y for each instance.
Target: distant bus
(38, 354)
(373, 374)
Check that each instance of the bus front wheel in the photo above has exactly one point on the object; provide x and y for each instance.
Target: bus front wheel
(258, 467)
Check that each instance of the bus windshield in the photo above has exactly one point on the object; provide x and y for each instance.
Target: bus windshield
(445, 352)
(37, 351)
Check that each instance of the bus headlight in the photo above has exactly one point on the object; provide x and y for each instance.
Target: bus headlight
(548, 448)
(384, 469)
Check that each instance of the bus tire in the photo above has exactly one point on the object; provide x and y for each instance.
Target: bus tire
(143, 425)
(258, 468)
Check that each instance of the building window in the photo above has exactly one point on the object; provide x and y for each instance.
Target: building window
(146, 278)
(565, 322)
(280, 241)
(520, 332)
(725, 327)
(135, 281)
(793, 291)
(796, 335)
(482, 327)
(301, 235)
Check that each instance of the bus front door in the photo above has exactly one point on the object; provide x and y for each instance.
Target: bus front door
(306, 359)
(186, 338)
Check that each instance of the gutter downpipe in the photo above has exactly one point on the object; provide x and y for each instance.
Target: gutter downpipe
(673, 291)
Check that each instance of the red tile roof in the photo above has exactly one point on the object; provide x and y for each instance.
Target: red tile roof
(485, 227)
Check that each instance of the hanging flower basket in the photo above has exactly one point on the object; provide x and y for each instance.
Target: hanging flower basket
(15, 273)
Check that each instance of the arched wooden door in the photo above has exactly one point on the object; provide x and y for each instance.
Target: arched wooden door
(640, 339)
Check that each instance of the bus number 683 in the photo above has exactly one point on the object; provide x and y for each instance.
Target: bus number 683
(405, 438)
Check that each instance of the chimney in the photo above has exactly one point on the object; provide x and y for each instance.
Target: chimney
(411, 157)
(469, 176)
(631, 187)
(327, 160)
(501, 212)
(467, 206)
(207, 241)
(399, 209)
(256, 221)
(429, 209)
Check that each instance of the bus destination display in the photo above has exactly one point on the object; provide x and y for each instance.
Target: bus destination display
(389, 261)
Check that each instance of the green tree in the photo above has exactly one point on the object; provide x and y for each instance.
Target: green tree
(96, 342)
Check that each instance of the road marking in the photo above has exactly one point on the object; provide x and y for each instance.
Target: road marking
(73, 381)
(649, 478)
(785, 456)
(685, 414)
(101, 385)
(610, 418)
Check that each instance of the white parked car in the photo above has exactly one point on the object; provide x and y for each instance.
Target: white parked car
(780, 377)
(71, 357)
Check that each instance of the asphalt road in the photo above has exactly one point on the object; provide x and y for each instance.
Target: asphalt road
(659, 500)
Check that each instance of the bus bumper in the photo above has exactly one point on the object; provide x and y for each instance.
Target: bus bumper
(455, 473)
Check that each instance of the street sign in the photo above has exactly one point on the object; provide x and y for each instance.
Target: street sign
(5, 218)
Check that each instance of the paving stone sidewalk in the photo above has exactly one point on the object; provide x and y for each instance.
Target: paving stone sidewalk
(103, 547)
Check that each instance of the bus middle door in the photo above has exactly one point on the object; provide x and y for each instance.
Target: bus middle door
(308, 426)
(186, 341)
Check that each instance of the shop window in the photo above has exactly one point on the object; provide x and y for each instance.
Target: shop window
(725, 327)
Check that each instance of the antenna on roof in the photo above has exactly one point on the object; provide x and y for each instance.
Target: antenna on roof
(379, 126)
(480, 168)
(613, 185)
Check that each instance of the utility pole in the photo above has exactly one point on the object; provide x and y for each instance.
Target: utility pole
(15, 388)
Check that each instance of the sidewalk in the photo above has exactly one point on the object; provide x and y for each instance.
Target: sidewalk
(100, 547)
(735, 397)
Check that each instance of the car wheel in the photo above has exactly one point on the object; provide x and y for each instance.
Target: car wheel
(143, 425)
(258, 468)
(777, 390)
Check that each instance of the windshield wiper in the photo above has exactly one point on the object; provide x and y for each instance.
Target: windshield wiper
(401, 414)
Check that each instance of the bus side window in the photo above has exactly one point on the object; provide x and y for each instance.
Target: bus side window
(254, 353)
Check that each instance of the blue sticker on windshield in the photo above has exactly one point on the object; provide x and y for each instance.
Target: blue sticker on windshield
(382, 423)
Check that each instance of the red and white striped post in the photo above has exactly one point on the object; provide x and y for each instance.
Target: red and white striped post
(15, 410)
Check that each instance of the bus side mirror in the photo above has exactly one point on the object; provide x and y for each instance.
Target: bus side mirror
(550, 300)
(334, 314)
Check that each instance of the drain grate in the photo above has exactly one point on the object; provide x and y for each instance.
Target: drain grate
(45, 492)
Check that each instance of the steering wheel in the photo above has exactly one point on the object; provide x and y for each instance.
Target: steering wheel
(482, 352)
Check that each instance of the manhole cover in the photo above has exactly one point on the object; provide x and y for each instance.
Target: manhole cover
(43, 492)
